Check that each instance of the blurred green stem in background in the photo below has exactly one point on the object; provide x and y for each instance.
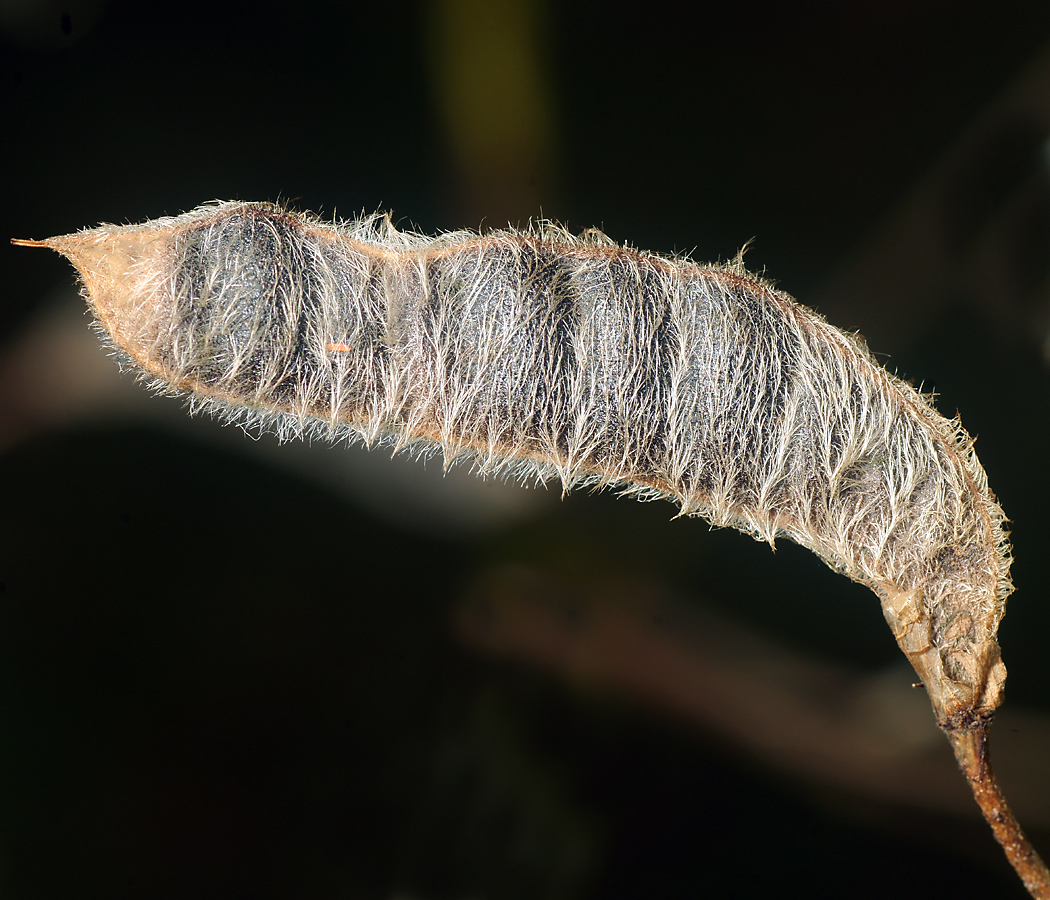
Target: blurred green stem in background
(493, 95)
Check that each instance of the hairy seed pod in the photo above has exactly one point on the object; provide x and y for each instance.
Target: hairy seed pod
(580, 360)
(585, 361)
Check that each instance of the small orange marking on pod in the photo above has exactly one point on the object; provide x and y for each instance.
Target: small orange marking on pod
(338, 348)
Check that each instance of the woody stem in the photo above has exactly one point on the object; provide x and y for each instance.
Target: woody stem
(971, 750)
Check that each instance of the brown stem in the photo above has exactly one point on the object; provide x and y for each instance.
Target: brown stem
(971, 750)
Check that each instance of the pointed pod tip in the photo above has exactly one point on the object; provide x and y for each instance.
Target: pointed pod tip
(26, 242)
(60, 243)
(119, 267)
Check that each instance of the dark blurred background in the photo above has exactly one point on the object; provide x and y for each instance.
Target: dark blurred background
(234, 669)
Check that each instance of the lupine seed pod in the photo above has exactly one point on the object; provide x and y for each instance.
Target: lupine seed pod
(576, 359)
